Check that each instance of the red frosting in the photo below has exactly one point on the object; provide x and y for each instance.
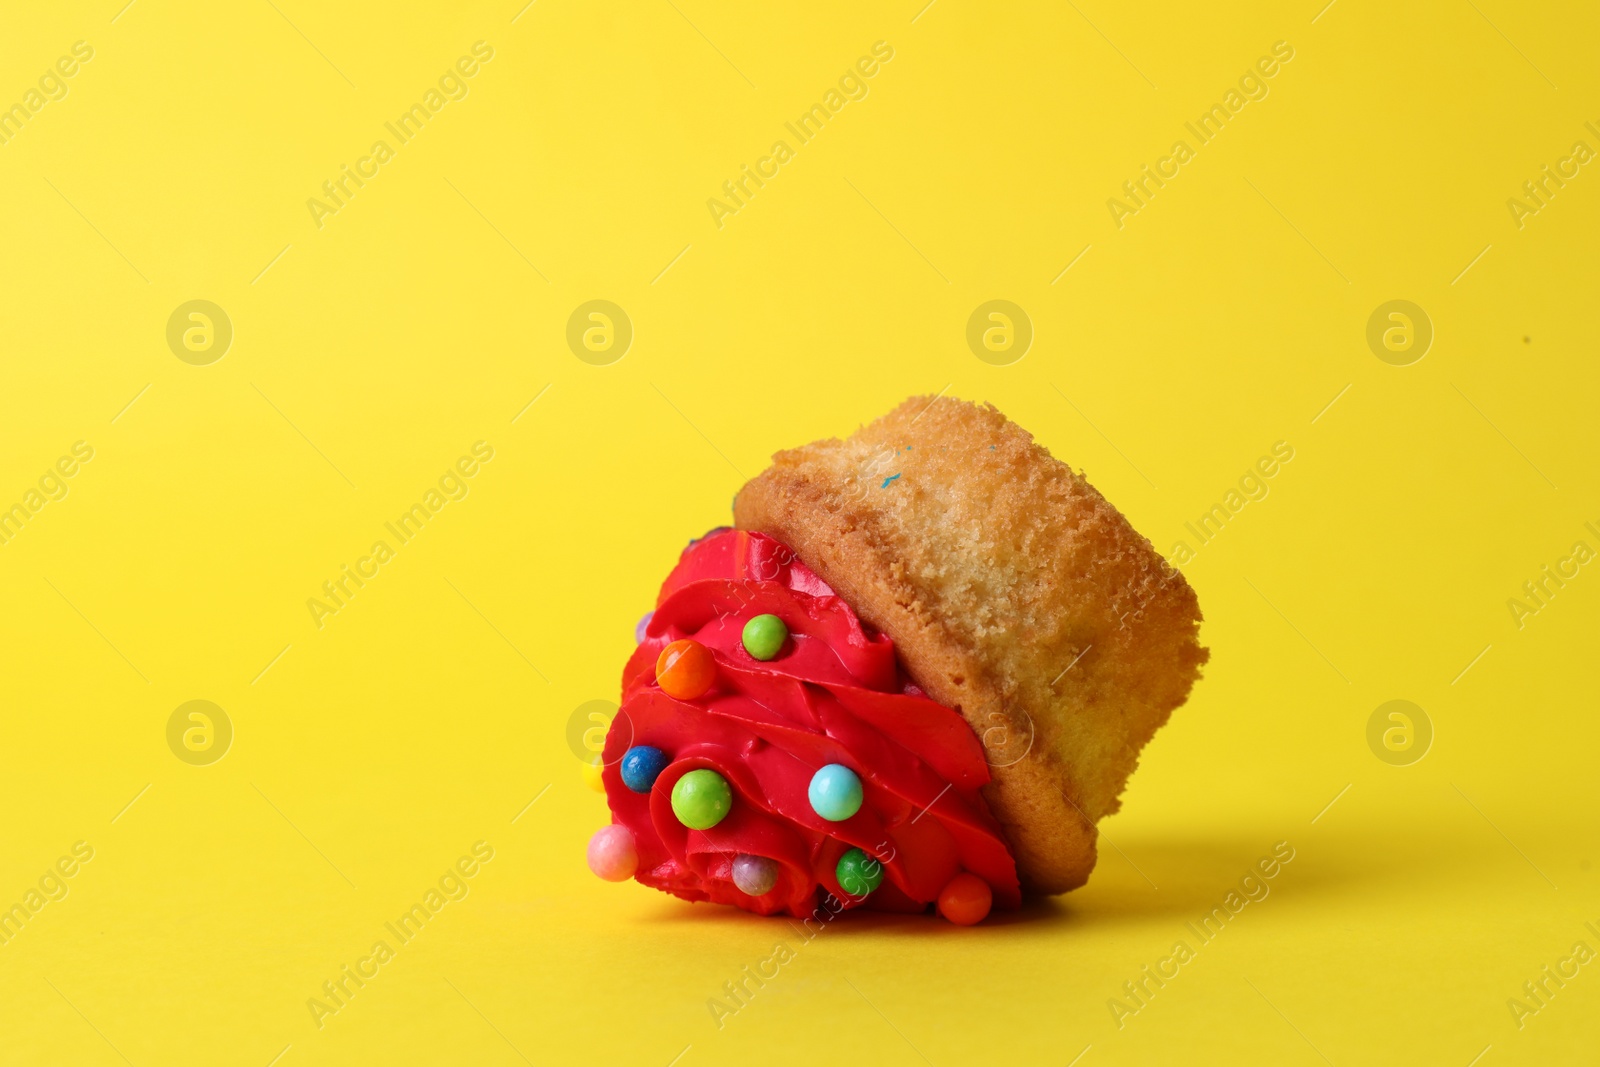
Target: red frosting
(834, 694)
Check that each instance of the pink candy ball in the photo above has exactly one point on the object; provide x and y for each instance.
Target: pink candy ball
(612, 853)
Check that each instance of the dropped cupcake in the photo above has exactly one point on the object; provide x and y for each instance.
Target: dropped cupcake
(918, 672)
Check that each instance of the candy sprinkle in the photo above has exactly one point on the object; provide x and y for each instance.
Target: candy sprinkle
(686, 669)
(701, 799)
(755, 876)
(764, 636)
(858, 873)
(612, 853)
(641, 765)
(965, 899)
(835, 792)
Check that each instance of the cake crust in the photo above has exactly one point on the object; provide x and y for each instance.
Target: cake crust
(1015, 594)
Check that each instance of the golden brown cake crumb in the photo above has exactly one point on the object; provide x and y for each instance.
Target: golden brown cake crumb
(1015, 594)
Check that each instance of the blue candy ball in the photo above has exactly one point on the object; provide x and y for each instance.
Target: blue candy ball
(835, 792)
(641, 766)
(644, 623)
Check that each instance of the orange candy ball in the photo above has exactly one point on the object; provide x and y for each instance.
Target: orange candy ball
(965, 899)
(685, 669)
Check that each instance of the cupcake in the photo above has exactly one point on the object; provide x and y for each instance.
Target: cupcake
(917, 671)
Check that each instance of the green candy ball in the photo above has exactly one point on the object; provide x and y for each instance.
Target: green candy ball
(701, 799)
(764, 636)
(858, 873)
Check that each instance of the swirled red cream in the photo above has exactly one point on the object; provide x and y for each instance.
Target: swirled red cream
(833, 694)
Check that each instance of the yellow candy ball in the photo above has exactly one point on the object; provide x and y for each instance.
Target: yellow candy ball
(591, 775)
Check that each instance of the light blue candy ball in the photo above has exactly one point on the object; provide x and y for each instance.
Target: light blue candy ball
(835, 792)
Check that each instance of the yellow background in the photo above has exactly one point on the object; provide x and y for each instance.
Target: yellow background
(370, 353)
